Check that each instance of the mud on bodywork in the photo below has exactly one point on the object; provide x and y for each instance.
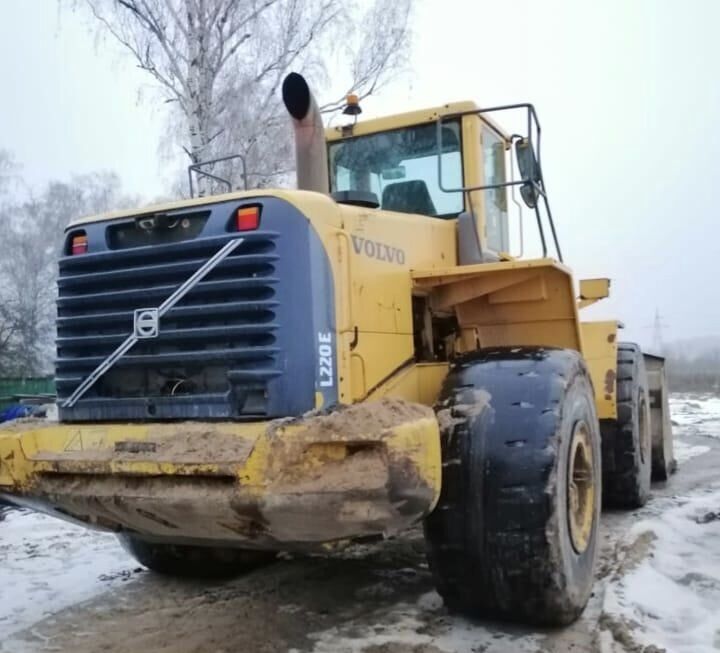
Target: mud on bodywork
(367, 469)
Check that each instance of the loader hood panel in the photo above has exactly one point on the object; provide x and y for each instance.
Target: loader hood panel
(243, 341)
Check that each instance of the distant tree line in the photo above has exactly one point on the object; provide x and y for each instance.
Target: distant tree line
(33, 222)
(697, 372)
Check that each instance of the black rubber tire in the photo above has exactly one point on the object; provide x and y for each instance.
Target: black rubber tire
(628, 452)
(498, 541)
(185, 561)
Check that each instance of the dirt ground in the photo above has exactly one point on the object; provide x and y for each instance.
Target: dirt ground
(375, 598)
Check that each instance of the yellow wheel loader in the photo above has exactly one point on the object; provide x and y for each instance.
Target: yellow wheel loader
(273, 370)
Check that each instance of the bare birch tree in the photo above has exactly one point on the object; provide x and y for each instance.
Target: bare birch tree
(220, 63)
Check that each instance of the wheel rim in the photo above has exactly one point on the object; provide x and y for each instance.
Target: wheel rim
(581, 488)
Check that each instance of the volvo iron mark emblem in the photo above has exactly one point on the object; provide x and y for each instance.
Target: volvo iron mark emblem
(147, 323)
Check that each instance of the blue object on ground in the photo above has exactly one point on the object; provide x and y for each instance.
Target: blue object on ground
(15, 412)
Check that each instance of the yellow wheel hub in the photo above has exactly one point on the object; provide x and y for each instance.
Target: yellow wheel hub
(581, 488)
(644, 431)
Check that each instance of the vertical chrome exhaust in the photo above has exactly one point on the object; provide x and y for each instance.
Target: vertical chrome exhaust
(310, 146)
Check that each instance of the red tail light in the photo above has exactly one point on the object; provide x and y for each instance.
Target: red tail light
(79, 244)
(247, 218)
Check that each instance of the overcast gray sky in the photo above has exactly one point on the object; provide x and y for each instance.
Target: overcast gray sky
(627, 92)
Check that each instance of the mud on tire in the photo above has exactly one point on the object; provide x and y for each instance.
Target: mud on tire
(627, 441)
(187, 561)
(499, 541)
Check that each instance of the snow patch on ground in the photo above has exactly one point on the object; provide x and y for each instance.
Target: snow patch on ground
(47, 564)
(696, 414)
(684, 451)
(673, 595)
(423, 628)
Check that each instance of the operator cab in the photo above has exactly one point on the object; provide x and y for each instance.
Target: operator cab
(446, 163)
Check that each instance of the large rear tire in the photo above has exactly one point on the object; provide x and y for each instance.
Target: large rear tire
(186, 561)
(628, 441)
(515, 533)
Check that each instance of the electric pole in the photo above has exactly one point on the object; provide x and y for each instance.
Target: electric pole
(658, 343)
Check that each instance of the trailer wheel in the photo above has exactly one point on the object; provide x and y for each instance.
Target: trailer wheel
(186, 561)
(515, 533)
(628, 463)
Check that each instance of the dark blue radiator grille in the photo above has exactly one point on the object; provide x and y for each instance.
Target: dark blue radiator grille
(218, 345)
(240, 345)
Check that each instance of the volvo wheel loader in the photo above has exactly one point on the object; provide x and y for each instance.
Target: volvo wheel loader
(274, 370)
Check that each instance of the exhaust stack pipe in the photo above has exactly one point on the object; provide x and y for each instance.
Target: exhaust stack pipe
(310, 146)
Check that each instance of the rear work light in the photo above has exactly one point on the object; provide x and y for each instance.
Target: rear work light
(79, 244)
(247, 218)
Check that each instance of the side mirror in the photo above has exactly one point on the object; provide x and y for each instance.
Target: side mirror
(593, 290)
(529, 171)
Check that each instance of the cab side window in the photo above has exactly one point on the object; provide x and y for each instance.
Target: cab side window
(496, 218)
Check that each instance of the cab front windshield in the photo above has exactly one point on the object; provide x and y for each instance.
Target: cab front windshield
(400, 167)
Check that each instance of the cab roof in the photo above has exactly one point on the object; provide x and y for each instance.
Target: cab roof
(399, 120)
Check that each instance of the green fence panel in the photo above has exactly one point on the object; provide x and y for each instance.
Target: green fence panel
(12, 387)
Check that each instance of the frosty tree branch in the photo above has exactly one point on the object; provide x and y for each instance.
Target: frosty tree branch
(219, 63)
